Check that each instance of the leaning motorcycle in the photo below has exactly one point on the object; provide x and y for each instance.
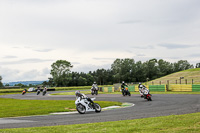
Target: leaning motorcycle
(147, 95)
(83, 106)
(94, 90)
(44, 92)
(125, 92)
(23, 92)
(38, 92)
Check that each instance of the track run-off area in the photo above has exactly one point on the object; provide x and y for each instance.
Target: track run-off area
(162, 105)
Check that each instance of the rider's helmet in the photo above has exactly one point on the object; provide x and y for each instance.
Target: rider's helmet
(94, 82)
(122, 82)
(77, 93)
(139, 83)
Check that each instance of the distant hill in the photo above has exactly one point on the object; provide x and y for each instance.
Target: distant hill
(188, 76)
(25, 83)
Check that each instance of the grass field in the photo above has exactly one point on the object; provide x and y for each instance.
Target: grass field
(16, 107)
(187, 74)
(188, 123)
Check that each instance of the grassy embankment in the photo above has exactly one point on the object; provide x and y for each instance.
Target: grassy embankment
(188, 123)
(16, 107)
(187, 74)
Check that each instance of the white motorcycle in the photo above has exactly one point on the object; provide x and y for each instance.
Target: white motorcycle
(83, 105)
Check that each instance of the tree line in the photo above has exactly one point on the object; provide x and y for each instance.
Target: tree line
(121, 70)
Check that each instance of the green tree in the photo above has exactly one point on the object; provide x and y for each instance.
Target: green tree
(1, 84)
(61, 72)
(164, 68)
(198, 65)
(117, 70)
(90, 79)
(182, 65)
(140, 72)
(82, 81)
(20, 85)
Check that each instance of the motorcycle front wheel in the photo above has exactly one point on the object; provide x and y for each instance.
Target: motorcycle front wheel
(80, 108)
(97, 107)
(44, 93)
(129, 93)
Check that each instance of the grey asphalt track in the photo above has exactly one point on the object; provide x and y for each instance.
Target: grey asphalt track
(162, 105)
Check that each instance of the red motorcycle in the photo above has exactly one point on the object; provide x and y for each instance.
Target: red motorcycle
(147, 95)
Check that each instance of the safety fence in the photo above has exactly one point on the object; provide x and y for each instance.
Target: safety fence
(196, 88)
(190, 88)
(108, 89)
(158, 88)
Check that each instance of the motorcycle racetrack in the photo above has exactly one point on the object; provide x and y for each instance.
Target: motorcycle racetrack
(161, 105)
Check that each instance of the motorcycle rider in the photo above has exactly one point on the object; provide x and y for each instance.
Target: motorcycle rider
(38, 89)
(123, 85)
(45, 89)
(145, 91)
(24, 91)
(140, 87)
(83, 96)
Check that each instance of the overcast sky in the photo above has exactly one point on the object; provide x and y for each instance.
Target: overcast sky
(91, 34)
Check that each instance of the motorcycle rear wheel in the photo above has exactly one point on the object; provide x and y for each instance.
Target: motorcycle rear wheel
(81, 108)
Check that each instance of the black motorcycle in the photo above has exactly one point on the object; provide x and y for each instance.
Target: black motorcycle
(94, 91)
(126, 92)
(38, 92)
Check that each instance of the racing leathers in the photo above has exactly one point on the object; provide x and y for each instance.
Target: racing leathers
(140, 87)
(123, 85)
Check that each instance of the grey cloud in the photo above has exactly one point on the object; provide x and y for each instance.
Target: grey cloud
(24, 61)
(104, 58)
(10, 57)
(195, 55)
(39, 49)
(131, 22)
(43, 50)
(90, 67)
(75, 63)
(175, 46)
(141, 55)
(46, 71)
(143, 47)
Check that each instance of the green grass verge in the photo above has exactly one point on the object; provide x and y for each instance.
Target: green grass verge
(188, 123)
(56, 88)
(16, 107)
(11, 90)
(78, 87)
